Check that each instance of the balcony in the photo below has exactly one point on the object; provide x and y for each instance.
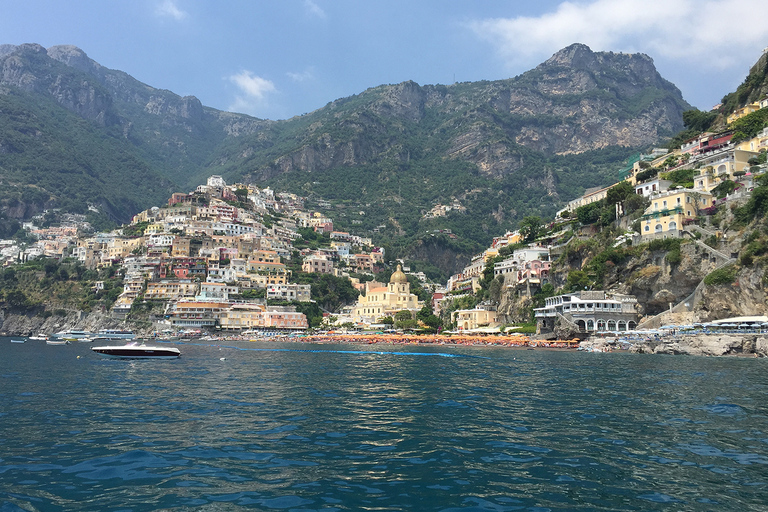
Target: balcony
(666, 212)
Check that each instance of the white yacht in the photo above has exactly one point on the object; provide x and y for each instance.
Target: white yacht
(73, 335)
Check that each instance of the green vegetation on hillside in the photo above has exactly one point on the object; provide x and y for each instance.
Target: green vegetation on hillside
(695, 122)
(47, 286)
(52, 158)
(750, 90)
(749, 125)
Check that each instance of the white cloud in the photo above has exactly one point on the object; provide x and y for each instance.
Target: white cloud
(303, 76)
(169, 9)
(253, 92)
(314, 9)
(709, 32)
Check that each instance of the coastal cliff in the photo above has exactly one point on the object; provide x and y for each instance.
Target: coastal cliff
(29, 324)
(755, 345)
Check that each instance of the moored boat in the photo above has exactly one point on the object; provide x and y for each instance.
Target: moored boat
(136, 351)
(57, 342)
(114, 334)
(39, 337)
(18, 341)
(72, 335)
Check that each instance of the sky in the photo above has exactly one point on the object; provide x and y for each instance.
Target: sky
(276, 59)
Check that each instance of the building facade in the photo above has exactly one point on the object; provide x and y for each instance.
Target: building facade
(379, 302)
(590, 311)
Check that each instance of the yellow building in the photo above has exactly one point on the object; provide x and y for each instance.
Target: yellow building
(381, 301)
(154, 229)
(121, 247)
(243, 316)
(168, 290)
(257, 316)
(468, 319)
(262, 280)
(665, 217)
(743, 111)
(757, 143)
(723, 164)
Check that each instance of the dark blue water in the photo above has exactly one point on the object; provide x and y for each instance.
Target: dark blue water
(486, 430)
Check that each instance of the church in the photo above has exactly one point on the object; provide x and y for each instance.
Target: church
(380, 301)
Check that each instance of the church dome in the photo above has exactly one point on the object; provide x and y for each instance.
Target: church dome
(398, 277)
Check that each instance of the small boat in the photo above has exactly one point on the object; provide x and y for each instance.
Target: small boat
(57, 342)
(136, 351)
(73, 335)
(39, 337)
(114, 334)
(18, 341)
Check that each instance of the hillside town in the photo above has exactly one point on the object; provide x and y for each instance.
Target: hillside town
(203, 251)
(717, 172)
(217, 256)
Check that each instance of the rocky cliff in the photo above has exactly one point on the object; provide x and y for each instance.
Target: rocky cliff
(506, 148)
(576, 101)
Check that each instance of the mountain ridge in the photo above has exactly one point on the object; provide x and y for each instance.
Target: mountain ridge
(550, 132)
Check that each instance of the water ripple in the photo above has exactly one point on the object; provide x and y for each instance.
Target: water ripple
(329, 428)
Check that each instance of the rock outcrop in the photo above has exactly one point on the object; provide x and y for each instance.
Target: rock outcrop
(14, 324)
(706, 345)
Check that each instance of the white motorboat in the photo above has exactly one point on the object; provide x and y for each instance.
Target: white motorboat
(136, 351)
(38, 337)
(57, 342)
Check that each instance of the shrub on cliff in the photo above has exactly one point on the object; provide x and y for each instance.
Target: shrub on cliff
(721, 276)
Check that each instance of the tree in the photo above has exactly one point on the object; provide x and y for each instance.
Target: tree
(619, 193)
(433, 322)
(589, 213)
(403, 315)
(578, 280)
(242, 194)
(530, 228)
(424, 313)
(695, 119)
(16, 299)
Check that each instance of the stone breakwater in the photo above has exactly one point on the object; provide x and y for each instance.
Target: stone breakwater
(754, 345)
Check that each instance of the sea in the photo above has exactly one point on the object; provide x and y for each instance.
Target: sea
(273, 426)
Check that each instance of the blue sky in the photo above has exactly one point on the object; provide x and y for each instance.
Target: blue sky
(277, 59)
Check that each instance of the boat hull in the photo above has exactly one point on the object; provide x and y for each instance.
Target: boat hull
(138, 352)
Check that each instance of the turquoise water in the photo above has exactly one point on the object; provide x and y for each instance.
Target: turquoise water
(331, 427)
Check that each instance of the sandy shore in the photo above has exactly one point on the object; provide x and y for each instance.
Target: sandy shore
(514, 340)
